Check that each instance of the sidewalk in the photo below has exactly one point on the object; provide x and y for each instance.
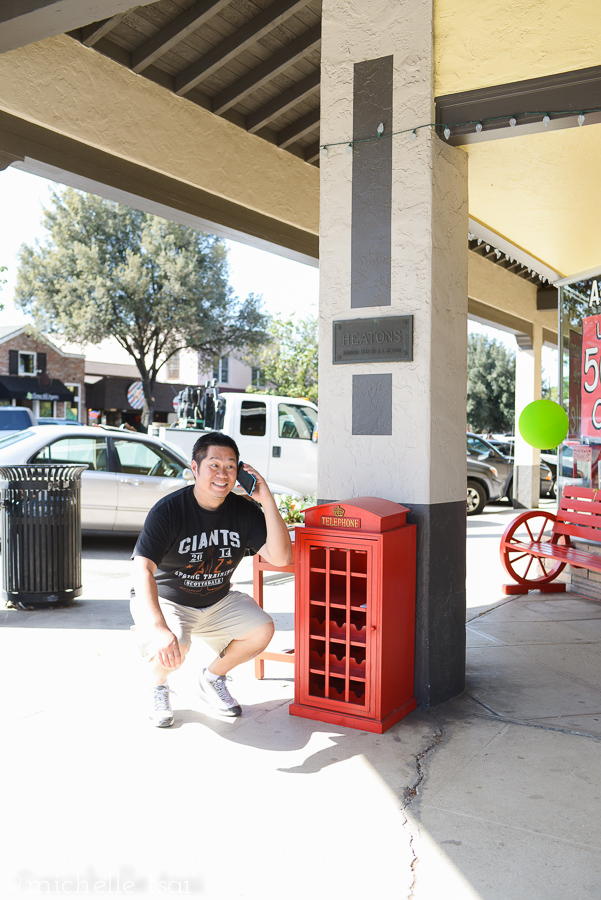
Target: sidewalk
(494, 795)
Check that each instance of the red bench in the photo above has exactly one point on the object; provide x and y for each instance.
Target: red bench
(261, 565)
(537, 546)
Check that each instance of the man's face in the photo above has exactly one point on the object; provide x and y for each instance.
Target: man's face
(215, 476)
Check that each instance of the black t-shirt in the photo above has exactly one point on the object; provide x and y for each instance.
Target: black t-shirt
(196, 550)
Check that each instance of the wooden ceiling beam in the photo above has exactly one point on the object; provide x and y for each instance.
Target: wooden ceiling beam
(161, 42)
(283, 102)
(488, 254)
(242, 38)
(279, 62)
(495, 105)
(299, 129)
(312, 153)
(91, 34)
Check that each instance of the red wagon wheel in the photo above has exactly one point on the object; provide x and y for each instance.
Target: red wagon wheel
(530, 570)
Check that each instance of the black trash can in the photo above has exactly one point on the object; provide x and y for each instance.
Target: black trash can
(41, 534)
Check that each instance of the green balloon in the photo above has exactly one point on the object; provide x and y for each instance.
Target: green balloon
(543, 424)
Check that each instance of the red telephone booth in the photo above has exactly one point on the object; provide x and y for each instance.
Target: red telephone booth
(355, 614)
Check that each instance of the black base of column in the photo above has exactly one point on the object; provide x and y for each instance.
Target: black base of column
(440, 601)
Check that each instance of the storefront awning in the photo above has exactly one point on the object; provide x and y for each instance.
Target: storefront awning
(111, 393)
(27, 387)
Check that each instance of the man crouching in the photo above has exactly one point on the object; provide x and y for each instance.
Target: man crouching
(184, 560)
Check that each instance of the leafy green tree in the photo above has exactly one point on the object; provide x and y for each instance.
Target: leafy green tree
(490, 385)
(289, 361)
(155, 287)
(549, 391)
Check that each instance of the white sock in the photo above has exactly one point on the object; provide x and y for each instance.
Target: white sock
(210, 676)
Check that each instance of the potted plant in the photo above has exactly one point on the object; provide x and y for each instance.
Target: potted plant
(292, 510)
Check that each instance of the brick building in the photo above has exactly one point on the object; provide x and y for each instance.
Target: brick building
(36, 374)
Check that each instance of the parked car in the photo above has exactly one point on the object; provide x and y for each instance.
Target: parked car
(483, 485)
(551, 458)
(503, 446)
(127, 473)
(483, 450)
(15, 418)
(49, 420)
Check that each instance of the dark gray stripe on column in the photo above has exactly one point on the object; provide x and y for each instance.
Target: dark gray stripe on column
(372, 184)
(372, 404)
(440, 601)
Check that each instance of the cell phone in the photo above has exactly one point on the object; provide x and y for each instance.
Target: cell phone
(247, 480)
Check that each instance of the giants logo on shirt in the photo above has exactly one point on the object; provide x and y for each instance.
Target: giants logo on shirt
(209, 539)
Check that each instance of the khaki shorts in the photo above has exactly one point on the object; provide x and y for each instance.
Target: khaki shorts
(218, 625)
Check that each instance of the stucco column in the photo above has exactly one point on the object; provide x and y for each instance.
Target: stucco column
(528, 387)
(393, 242)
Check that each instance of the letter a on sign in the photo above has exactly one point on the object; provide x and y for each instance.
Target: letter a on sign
(594, 298)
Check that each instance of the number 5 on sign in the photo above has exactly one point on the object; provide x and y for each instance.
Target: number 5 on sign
(591, 383)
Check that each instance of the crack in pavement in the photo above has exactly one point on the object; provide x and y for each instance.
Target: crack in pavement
(411, 791)
(494, 717)
(498, 605)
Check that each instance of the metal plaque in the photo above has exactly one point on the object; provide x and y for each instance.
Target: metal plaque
(388, 339)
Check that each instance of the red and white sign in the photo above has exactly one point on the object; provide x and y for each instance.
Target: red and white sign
(582, 453)
(135, 395)
(590, 410)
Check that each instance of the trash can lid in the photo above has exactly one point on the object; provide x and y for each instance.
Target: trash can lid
(29, 472)
(370, 514)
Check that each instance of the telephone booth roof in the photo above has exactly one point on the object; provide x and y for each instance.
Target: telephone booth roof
(370, 514)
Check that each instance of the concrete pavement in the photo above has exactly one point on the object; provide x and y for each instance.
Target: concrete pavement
(494, 795)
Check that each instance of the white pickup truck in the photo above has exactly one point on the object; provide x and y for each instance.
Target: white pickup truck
(277, 435)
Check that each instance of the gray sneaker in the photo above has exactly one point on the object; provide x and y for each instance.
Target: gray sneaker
(160, 712)
(216, 694)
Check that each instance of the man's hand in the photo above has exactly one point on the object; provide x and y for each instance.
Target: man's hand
(261, 493)
(277, 550)
(166, 647)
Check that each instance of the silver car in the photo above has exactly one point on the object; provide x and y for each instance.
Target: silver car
(126, 475)
(483, 485)
(480, 449)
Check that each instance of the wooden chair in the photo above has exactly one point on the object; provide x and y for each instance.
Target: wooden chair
(259, 567)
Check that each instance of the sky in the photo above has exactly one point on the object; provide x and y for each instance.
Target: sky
(287, 287)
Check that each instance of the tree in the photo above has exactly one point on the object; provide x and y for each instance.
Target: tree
(490, 385)
(154, 286)
(289, 361)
